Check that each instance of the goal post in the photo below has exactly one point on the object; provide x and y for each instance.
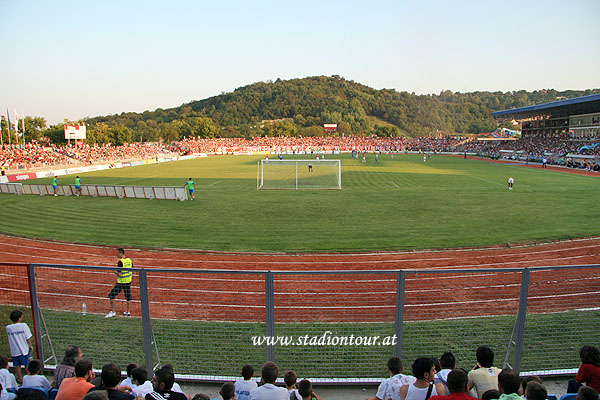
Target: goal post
(299, 174)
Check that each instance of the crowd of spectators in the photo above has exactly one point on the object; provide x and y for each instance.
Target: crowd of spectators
(554, 148)
(37, 155)
(534, 146)
(431, 379)
(107, 152)
(326, 144)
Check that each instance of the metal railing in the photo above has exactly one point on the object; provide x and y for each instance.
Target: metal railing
(208, 323)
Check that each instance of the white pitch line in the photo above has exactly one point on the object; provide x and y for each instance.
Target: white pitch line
(394, 183)
(486, 180)
(137, 179)
(214, 183)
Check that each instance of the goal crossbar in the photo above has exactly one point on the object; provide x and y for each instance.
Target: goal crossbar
(299, 174)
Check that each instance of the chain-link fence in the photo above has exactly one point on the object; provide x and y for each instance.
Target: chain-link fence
(328, 325)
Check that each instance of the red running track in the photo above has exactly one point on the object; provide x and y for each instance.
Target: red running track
(326, 298)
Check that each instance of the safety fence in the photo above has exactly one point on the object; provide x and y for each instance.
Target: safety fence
(120, 191)
(334, 326)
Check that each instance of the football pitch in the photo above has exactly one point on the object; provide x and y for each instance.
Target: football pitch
(394, 204)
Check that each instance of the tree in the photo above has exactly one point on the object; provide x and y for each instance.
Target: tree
(317, 100)
(204, 127)
(56, 133)
(98, 133)
(344, 128)
(312, 131)
(183, 128)
(34, 126)
(168, 132)
(120, 134)
(387, 131)
(299, 120)
(285, 128)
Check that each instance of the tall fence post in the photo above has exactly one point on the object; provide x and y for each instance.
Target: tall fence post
(270, 314)
(35, 310)
(399, 318)
(146, 323)
(520, 325)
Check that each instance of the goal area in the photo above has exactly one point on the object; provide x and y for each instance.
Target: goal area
(299, 174)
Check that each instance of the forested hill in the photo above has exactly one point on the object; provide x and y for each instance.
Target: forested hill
(302, 106)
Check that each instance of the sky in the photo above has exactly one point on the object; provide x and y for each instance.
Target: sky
(77, 59)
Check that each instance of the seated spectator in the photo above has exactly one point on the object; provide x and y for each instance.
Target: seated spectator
(535, 391)
(243, 387)
(227, 391)
(96, 395)
(76, 387)
(201, 396)
(589, 371)
(587, 393)
(390, 387)
(111, 376)
(26, 393)
(492, 394)
(306, 391)
(484, 375)
(142, 386)
(162, 384)
(447, 364)
(7, 380)
(437, 365)
(508, 384)
(526, 380)
(66, 368)
(4, 395)
(176, 387)
(127, 381)
(423, 388)
(290, 379)
(268, 391)
(457, 382)
(33, 379)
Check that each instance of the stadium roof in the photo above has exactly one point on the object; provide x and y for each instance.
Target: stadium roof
(562, 108)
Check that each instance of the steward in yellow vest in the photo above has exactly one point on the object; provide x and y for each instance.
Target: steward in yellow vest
(124, 278)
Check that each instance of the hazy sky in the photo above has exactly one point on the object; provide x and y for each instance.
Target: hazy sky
(72, 59)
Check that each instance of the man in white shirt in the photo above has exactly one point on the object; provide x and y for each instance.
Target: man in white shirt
(243, 387)
(268, 391)
(387, 387)
(483, 376)
(448, 363)
(7, 380)
(142, 386)
(127, 381)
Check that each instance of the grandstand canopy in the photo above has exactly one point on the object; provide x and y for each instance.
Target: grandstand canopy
(562, 108)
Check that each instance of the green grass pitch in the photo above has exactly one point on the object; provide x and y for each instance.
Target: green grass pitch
(395, 204)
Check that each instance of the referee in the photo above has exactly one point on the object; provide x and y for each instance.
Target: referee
(124, 278)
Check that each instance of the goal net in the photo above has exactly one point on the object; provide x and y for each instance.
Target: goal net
(299, 174)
